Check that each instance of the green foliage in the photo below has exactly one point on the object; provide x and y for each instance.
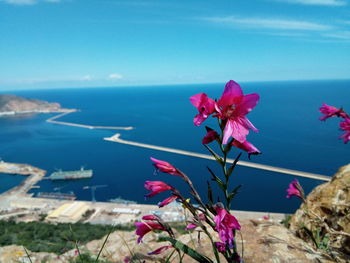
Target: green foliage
(179, 227)
(319, 238)
(87, 258)
(286, 221)
(187, 250)
(56, 238)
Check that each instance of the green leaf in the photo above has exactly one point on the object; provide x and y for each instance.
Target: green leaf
(187, 250)
(217, 179)
(210, 194)
(230, 170)
(234, 192)
(216, 156)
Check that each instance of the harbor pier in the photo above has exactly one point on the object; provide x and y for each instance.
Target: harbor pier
(116, 138)
(54, 121)
(34, 175)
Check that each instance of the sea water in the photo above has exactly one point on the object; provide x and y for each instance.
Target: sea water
(290, 136)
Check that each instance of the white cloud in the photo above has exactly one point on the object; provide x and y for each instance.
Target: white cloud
(268, 23)
(317, 2)
(342, 35)
(86, 78)
(20, 2)
(115, 76)
(28, 2)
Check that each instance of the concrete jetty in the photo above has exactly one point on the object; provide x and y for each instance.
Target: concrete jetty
(116, 138)
(54, 120)
(34, 175)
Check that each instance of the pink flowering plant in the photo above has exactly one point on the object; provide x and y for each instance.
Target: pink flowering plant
(329, 112)
(211, 219)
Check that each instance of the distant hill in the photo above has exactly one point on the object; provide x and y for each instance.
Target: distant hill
(11, 104)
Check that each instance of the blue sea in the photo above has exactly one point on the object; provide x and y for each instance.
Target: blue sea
(291, 136)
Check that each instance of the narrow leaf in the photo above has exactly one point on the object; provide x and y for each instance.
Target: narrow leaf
(230, 170)
(186, 249)
(210, 194)
(216, 156)
(216, 179)
(234, 192)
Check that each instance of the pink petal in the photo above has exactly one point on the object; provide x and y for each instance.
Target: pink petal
(210, 136)
(191, 226)
(240, 130)
(198, 119)
(232, 94)
(247, 104)
(197, 99)
(167, 201)
(159, 250)
(228, 131)
(246, 146)
(150, 217)
(248, 124)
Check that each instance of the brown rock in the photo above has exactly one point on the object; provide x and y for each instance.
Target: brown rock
(327, 210)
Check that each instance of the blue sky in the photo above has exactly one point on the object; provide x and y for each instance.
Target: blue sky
(86, 43)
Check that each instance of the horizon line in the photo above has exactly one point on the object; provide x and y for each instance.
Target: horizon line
(170, 84)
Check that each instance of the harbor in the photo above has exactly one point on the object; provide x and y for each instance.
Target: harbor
(60, 207)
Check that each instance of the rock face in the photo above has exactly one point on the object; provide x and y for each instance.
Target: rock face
(327, 210)
(16, 104)
(264, 242)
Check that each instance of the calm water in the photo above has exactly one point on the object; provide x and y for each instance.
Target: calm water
(291, 136)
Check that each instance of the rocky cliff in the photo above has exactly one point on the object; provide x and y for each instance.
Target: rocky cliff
(324, 219)
(15, 104)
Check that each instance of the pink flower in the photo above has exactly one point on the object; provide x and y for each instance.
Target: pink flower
(150, 217)
(191, 226)
(167, 201)
(345, 126)
(210, 136)
(164, 167)
(330, 111)
(225, 225)
(156, 187)
(232, 108)
(220, 246)
(142, 228)
(294, 189)
(247, 146)
(205, 106)
(159, 250)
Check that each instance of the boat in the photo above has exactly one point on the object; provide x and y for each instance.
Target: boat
(71, 175)
(57, 195)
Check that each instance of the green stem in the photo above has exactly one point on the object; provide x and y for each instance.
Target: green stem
(104, 243)
(213, 244)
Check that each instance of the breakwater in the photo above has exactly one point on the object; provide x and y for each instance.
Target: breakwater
(116, 138)
(54, 121)
(34, 175)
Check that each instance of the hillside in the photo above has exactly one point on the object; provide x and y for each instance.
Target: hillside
(11, 104)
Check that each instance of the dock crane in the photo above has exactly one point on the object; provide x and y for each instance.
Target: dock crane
(93, 189)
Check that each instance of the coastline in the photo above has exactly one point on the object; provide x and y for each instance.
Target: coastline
(12, 113)
(18, 202)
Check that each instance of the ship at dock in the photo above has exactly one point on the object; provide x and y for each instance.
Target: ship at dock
(71, 175)
(57, 195)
